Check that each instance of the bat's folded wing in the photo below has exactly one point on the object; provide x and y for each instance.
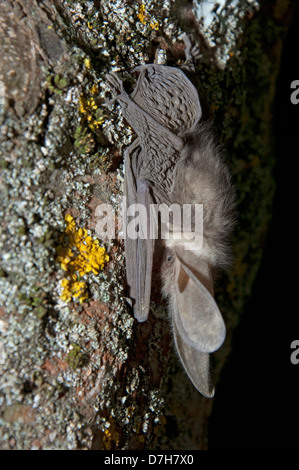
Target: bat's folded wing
(169, 95)
(149, 112)
(145, 250)
(139, 247)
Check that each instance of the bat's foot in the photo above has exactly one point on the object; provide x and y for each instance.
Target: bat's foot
(192, 52)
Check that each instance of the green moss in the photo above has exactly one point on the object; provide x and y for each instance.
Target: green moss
(57, 83)
(76, 358)
(46, 239)
(22, 231)
(84, 141)
(40, 311)
(3, 164)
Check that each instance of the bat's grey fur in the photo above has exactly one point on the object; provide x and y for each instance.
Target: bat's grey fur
(175, 160)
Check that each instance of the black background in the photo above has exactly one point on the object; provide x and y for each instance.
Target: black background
(257, 401)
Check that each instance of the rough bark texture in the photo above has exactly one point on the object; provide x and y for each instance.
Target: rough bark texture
(85, 375)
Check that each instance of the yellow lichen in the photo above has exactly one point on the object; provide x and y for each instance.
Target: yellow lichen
(145, 19)
(111, 436)
(155, 25)
(87, 63)
(94, 89)
(88, 107)
(141, 13)
(78, 255)
(73, 289)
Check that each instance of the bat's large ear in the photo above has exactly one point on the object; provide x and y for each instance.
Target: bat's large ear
(196, 364)
(198, 320)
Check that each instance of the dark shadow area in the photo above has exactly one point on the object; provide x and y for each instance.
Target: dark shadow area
(256, 403)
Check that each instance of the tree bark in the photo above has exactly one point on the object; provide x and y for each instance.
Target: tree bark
(86, 375)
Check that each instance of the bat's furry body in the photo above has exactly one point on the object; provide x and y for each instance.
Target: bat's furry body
(175, 160)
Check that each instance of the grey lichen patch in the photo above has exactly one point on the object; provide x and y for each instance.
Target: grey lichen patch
(221, 24)
(122, 33)
(156, 404)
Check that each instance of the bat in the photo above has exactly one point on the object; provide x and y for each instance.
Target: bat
(175, 161)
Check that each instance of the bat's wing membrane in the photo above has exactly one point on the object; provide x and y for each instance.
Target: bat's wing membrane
(163, 105)
(170, 97)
